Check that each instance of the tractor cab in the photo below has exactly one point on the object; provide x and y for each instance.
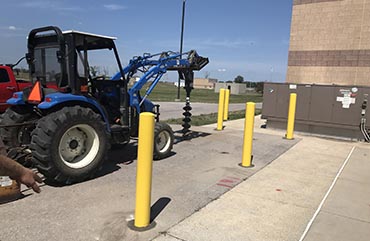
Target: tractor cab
(59, 63)
(59, 60)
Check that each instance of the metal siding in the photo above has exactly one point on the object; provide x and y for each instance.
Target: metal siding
(269, 99)
(282, 101)
(322, 98)
(303, 102)
(347, 116)
(318, 110)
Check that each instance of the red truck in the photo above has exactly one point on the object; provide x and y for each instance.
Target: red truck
(11, 80)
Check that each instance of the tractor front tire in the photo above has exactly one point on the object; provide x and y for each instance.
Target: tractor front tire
(69, 145)
(163, 140)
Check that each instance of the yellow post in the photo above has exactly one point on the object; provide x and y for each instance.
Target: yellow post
(144, 170)
(291, 116)
(248, 135)
(226, 107)
(220, 117)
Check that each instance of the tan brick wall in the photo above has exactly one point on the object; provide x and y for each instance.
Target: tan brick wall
(332, 25)
(329, 75)
(204, 83)
(329, 42)
(297, 2)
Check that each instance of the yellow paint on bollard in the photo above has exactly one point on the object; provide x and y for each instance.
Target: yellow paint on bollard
(248, 135)
(144, 170)
(291, 116)
(220, 116)
(226, 107)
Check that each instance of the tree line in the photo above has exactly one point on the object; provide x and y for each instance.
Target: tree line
(258, 86)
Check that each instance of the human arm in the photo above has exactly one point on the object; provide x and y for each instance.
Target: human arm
(16, 171)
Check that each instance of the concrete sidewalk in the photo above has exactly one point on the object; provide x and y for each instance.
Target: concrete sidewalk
(200, 170)
(200, 193)
(278, 202)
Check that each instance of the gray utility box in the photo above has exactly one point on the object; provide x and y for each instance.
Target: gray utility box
(321, 109)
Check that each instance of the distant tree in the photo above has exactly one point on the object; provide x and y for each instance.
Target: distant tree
(239, 79)
(99, 71)
(259, 87)
(105, 71)
(229, 81)
(94, 70)
(250, 84)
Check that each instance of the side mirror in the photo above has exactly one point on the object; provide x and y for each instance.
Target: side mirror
(29, 58)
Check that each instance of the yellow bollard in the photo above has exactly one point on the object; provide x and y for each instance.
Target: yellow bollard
(220, 116)
(144, 170)
(226, 107)
(248, 135)
(291, 116)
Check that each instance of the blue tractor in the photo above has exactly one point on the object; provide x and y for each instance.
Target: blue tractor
(69, 119)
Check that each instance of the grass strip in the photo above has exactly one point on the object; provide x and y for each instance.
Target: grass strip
(168, 92)
(205, 119)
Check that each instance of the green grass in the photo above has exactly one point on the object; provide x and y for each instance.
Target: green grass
(206, 119)
(168, 92)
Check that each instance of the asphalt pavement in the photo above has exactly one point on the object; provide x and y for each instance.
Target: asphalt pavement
(309, 188)
(200, 171)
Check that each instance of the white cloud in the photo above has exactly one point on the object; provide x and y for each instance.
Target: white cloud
(51, 5)
(114, 7)
(12, 31)
(10, 28)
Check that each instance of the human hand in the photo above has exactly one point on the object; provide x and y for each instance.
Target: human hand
(29, 178)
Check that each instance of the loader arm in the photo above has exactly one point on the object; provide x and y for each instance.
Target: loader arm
(154, 66)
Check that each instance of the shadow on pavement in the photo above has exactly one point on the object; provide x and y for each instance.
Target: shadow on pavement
(158, 207)
(127, 154)
(179, 137)
(121, 155)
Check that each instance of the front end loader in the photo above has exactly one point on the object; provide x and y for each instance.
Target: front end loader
(69, 119)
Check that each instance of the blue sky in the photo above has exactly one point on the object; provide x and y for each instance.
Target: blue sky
(240, 37)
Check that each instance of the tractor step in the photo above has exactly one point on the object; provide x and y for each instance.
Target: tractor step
(120, 134)
(119, 128)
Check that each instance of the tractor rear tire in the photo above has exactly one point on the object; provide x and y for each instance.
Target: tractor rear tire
(16, 136)
(69, 145)
(163, 140)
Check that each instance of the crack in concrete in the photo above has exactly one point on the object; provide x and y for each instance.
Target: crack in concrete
(173, 236)
(344, 216)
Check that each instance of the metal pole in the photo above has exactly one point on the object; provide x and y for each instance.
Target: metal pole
(181, 43)
(144, 170)
(248, 135)
(221, 104)
(291, 116)
(226, 105)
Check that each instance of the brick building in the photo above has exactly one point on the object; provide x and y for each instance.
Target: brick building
(330, 42)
